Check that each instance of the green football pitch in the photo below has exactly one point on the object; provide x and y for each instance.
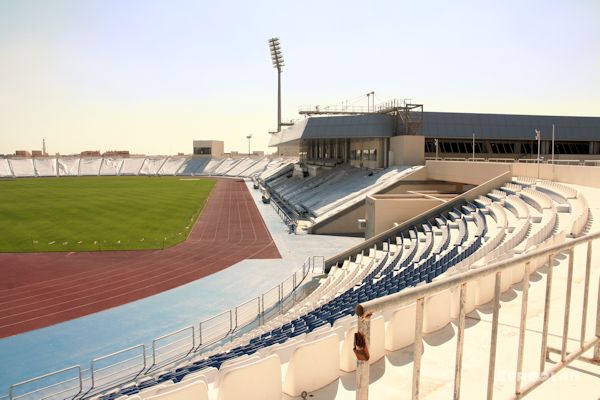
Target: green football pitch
(98, 213)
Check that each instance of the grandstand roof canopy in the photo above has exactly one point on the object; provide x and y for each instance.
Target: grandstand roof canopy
(337, 127)
(445, 125)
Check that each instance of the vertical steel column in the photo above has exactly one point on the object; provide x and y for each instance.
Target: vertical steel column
(200, 334)
(563, 351)
(278, 99)
(597, 346)
(460, 341)
(522, 326)
(586, 289)
(418, 348)
(362, 367)
(494, 339)
(544, 351)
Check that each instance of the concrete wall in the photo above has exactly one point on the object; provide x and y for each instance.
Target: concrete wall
(465, 172)
(291, 149)
(407, 150)
(575, 174)
(439, 187)
(382, 211)
(345, 223)
(479, 172)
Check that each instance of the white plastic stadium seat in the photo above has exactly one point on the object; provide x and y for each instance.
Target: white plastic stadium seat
(197, 390)
(285, 350)
(154, 390)
(400, 329)
(436, 313)
(234, 363)
(208, 374)
(312, 366)
(258, 380)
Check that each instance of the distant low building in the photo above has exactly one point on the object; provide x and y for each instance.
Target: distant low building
(22, 153)
(116, 153)
(213, 148)
(37, 153)
(90, 153)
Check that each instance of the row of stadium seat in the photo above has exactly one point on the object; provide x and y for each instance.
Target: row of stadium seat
(279, 356)
(316, 196)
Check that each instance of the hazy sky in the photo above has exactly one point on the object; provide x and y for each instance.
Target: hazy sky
(151, 76)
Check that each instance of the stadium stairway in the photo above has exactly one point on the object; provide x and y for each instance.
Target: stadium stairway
(278, 358)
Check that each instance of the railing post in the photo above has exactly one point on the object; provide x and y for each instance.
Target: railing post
(522, 326)
(597, 346)
(544, 350)
(586, 289)
(280, 297)
(418, 348)
(494, 339)
(258, 311)
(153, 351)
(362, 367)
(563, 351)
(460, 341)
(199, 334)
(193, 338)
(236, 318)
(81, 376)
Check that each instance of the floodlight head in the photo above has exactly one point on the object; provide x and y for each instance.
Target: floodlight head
(249, 137)
(276, 53)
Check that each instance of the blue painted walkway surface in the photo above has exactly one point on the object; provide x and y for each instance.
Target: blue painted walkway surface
(79, 341)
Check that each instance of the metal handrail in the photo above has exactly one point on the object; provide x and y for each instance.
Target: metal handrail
(304, 270)
(37, 378)
(93, 370)
(409, 295)
(187, 328)
(418, 294)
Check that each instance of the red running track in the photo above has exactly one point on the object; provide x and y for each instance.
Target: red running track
(41, 289)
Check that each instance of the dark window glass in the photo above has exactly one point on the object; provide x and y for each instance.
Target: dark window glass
(202, 150)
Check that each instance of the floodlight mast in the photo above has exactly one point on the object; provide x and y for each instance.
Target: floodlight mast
(277, 59)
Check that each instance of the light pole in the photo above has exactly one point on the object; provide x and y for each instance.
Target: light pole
(277, 59)
(369, 99)
(436, 149)
(538, 136)
(552, 144)
(473, 146)
(249, 137)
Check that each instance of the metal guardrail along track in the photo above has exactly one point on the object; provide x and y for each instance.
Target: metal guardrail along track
(210, 332)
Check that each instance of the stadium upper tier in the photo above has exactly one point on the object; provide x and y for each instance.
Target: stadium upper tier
(333, 190)
(23, 167)
(311, 344)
